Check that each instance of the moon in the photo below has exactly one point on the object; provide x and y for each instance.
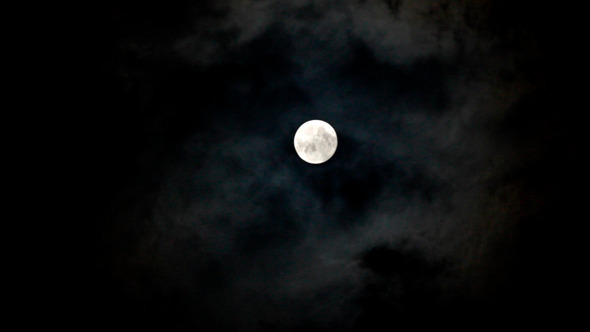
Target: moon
(315, 141)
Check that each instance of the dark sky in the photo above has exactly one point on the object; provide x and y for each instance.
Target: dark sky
(450, 202)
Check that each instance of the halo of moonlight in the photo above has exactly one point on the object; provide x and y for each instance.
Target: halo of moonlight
(315, 141)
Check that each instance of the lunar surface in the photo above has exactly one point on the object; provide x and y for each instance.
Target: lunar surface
(315, 141)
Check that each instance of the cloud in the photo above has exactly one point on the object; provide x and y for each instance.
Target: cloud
(417, 204)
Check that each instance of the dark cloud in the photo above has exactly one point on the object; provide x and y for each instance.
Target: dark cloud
(402, 287)
(437, 205)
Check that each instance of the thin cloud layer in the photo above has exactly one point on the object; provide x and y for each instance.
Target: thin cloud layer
(420, 204)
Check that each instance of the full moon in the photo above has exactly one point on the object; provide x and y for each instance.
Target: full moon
(315, 141)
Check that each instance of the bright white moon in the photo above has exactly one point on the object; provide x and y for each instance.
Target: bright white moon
(315, 141)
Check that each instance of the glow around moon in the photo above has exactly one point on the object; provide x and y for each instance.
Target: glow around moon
(315, 141)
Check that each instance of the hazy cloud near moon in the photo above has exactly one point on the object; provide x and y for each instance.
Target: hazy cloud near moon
(422, 34)
(421, 95)
(419, 29)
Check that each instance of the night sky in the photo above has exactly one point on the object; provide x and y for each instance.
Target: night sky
(451, 200)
